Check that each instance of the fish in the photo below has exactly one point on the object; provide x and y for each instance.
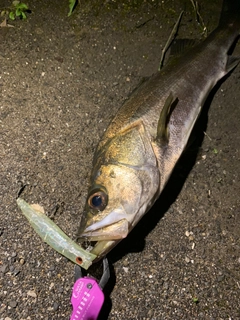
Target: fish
(140, 148)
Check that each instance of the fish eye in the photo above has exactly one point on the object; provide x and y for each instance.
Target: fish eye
(98, 199)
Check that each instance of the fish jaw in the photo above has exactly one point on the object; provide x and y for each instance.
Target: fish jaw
(107, 233)
(110, 228)
(101, 248)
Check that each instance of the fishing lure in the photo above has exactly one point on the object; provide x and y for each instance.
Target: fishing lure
(55, 237)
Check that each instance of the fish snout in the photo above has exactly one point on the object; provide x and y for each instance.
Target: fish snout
(111, 227)
(115, 231)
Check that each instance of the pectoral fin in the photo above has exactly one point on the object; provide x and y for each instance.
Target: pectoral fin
(162, 128)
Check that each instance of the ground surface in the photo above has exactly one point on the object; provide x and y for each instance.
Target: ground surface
(61, 81)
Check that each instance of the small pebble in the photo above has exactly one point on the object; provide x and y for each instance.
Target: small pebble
(22, 261)
(11, 268)
(165, 285)
(4, 268)
(16, 272)
(150, 312)
(3, 307)
(125, 262)
(220, 278)
(60, 289)
(12, 303)
(214, 292)
(55, 306)
(32, 294)
(51, 286)
(125, 269)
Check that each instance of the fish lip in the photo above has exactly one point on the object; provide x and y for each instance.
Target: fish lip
(109, 220)
(115, 231)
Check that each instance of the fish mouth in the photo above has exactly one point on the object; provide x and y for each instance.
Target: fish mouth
(103, 238)
(117, 230)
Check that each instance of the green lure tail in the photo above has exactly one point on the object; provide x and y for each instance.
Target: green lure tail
(55, 237)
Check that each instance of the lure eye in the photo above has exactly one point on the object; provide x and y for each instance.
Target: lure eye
(98, 200)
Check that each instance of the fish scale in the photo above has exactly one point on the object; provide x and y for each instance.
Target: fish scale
(146, 138)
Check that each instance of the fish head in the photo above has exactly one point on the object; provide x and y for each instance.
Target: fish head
(115, 203)
(124, 183)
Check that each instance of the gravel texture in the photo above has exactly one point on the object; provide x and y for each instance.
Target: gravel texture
(62, 79)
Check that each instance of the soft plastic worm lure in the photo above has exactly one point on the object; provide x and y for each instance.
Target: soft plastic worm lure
(55, 237)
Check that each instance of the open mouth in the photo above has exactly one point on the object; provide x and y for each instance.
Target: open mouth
(100, 241)
(115, 231)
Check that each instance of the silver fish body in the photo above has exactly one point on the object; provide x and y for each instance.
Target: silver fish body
(141, 146)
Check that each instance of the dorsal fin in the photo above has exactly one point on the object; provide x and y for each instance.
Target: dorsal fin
(180, 46)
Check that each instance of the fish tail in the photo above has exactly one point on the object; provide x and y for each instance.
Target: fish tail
(230, 14)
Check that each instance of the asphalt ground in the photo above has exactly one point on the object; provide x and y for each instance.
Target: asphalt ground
(62, 79)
